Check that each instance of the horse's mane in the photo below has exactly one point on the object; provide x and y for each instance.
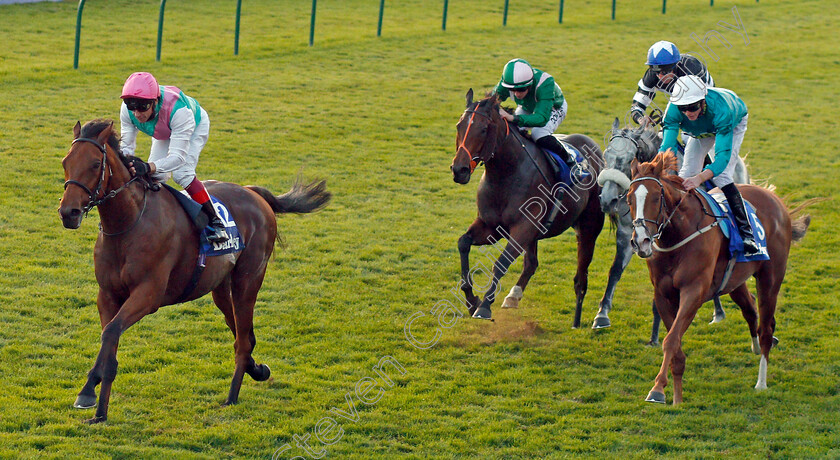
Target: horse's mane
(93, 128)
(663, 166)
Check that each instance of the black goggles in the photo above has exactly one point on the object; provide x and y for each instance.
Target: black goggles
(666, 69)
(690, 107)
(138, 105)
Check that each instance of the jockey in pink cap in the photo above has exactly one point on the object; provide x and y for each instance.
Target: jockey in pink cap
(179, 128)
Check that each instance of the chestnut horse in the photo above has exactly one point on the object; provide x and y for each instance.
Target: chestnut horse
(517, 197)
(687, 264)
(147, 248)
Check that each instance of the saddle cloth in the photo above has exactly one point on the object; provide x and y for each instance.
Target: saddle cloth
(719, 206)
(234, 243)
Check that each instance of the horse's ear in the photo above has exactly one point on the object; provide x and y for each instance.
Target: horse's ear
(469, 97)
(77, 130)
(615, 124)
(105, 134)
(634, 167)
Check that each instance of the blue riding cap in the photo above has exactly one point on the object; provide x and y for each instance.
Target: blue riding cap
(663, 53)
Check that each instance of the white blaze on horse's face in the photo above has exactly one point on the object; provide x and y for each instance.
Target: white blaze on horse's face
(642, 243)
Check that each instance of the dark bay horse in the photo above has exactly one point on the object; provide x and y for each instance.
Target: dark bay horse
(623, 146)
(687, 266)
(147, 249)
(519, 200)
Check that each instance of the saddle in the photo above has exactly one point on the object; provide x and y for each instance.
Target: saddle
(199, 219)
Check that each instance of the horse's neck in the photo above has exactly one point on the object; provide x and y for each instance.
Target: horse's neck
(688, 218)
(123, 208)
(510, 156)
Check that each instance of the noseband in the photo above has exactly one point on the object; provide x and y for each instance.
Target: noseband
(93, 201)
(476, 159)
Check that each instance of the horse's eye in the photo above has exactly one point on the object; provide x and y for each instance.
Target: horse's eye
(96, 165)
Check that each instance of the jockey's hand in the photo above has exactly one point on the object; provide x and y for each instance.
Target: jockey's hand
(138, 167)
(693, 182)
(503, 113)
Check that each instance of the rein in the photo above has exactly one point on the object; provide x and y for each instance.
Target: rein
(93, 201)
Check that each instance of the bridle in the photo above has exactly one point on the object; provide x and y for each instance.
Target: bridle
(660, 222)
(661, 227)
(93, 199)
(476, 159)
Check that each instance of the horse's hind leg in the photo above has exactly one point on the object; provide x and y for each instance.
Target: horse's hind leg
(224, 301)
(246, 283)
(767, 287)
(742, 297)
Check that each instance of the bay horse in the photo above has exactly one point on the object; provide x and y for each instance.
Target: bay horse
(517, 197)
(147, 248)
(687, 266)
(623, 145)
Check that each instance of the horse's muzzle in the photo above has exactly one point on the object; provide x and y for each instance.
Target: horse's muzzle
(641, 243)
(461, 174)
(71, 217)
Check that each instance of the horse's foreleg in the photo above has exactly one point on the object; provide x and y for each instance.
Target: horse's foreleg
(511, 252)
(690, 302)
(105, 368)
(477, 234)
(623, 254)
(530, 264)
(668, 312)
(464, 244)
(108, 306)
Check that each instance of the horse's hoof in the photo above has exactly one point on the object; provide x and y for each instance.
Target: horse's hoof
(510, 302)
(96, 420)
(261, 373)
(482, 313)
(717, 318)
(652, 343)
(229, 403)
(656, 397)
(775, 340)
(601, 322)
(85, 402)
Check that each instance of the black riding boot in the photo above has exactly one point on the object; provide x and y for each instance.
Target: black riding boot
(218, 233)
(551, 143)
(739, 212)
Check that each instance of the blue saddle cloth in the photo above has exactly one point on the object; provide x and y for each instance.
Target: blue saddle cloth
(565, 174)
(234, 243)
(719, 206)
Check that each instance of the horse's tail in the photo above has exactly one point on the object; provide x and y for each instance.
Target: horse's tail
(301, 198)
(800, 225)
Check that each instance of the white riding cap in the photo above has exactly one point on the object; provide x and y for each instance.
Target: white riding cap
(688, 90)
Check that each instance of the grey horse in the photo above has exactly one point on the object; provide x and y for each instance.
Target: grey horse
(623, 146)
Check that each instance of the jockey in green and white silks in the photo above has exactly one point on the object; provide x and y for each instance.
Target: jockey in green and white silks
(714, 117)
(179, 128)
(540, 103)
